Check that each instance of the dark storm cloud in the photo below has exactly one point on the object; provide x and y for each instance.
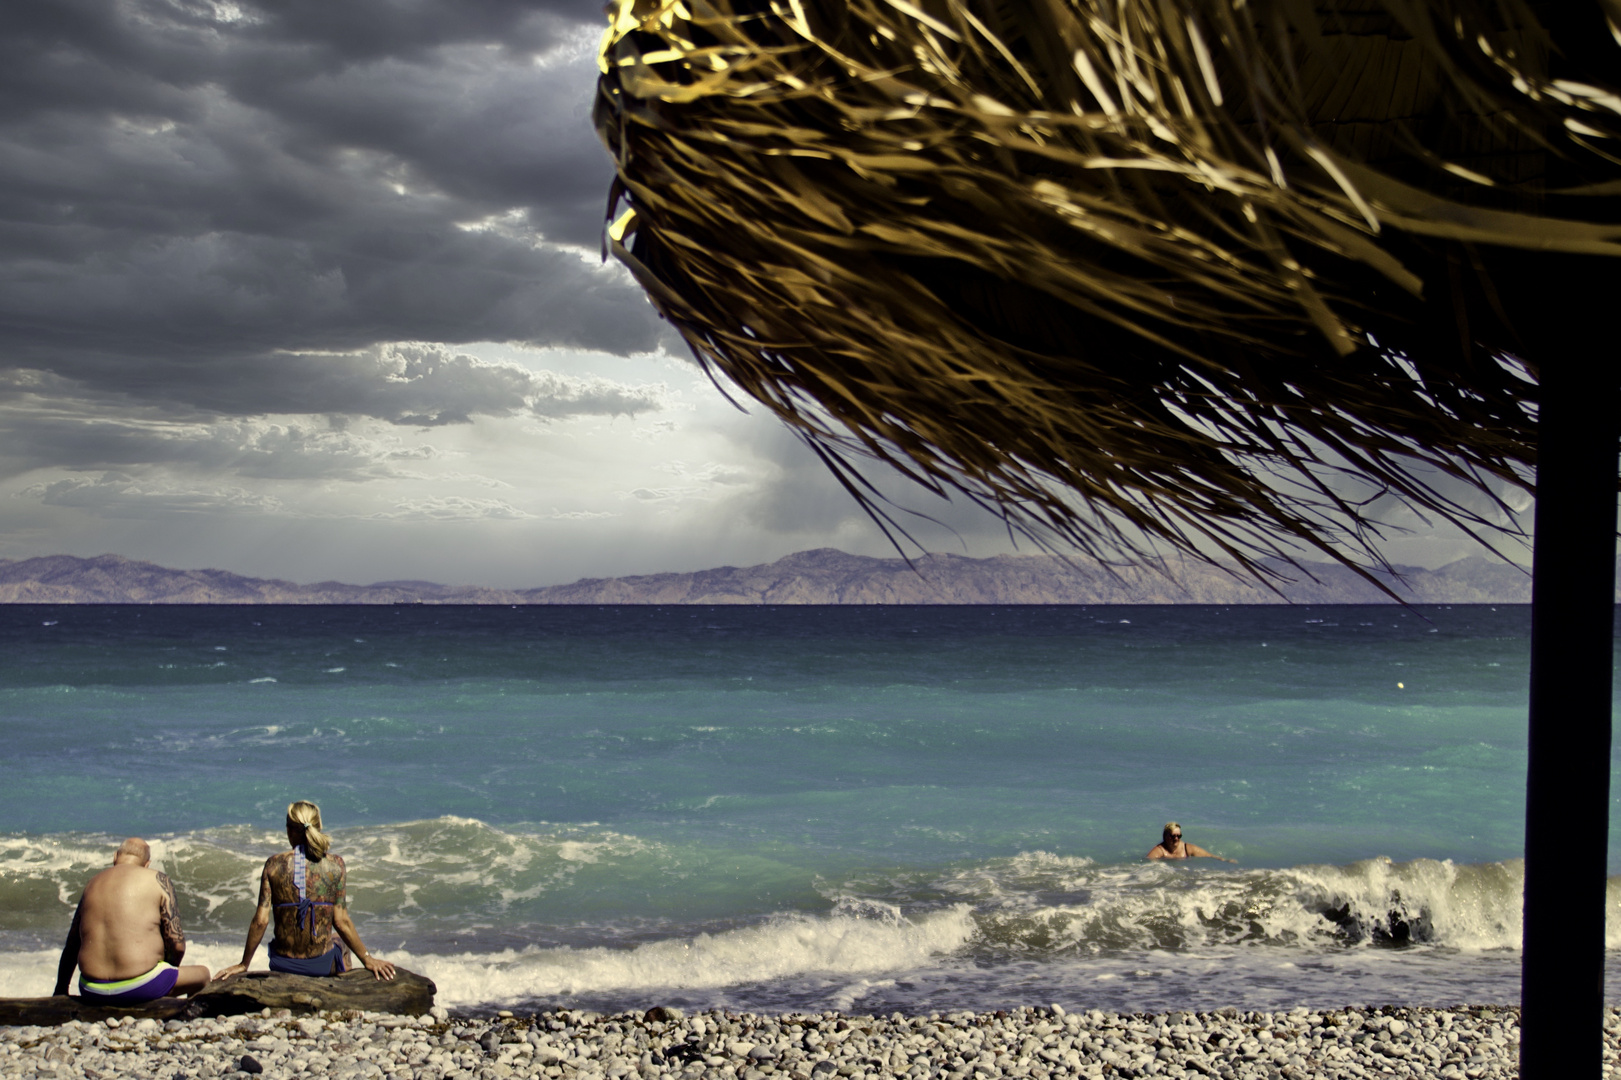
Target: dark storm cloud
(448, 89)
(190, 191)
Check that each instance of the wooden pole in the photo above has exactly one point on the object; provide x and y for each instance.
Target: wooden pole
(1572, 654)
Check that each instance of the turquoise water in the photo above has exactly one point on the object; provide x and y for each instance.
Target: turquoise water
(862, 808)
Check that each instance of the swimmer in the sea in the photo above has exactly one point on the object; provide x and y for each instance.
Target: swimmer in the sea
(1171, 846)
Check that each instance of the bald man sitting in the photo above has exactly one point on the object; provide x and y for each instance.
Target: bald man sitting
(126, 939)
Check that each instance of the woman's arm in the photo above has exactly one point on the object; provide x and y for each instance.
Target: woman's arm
(256, 928)
(1195, 849)
(345, 926)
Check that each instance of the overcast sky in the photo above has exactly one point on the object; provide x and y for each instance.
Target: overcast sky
(312, 289)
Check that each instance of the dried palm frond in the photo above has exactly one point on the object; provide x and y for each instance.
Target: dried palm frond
(1126, 271)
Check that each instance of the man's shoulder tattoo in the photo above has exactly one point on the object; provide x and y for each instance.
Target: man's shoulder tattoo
(169, 920)
(168, 887)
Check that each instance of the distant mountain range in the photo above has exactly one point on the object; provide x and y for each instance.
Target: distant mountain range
(823, 576)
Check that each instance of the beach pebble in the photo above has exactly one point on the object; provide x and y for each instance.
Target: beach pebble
(1045, 1043)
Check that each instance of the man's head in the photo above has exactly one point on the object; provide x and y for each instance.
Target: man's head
(1172, 833)
(132, 852)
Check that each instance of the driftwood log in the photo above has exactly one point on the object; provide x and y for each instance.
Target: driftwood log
(54, 1011)
(407, 993)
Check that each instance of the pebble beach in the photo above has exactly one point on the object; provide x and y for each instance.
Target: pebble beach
(1037, 1042)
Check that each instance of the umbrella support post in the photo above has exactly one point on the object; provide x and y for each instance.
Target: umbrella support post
(1568, 772)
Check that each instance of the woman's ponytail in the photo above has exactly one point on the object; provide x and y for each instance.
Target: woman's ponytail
(307, 816)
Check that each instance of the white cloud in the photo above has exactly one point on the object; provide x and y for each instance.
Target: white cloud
(117, 495)
(577, 515)
(50, 421)
(460, 479)
(453, 508)
(88, 435)
(421, 384)
(713, 472)
(701, 484)
(656, 430)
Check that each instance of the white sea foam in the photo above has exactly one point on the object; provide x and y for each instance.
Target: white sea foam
(55, 867)
(696, 972)
(786, 949)
(459, 871)
(32, 973)
(445, 895)
(27, 974)
(1047, 904)
(783, 949)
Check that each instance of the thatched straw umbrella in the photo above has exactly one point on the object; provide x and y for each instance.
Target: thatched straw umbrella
(1206, 276)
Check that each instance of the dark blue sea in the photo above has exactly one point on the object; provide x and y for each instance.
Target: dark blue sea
(867, 809)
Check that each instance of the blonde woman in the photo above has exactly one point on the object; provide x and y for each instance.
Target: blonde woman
(1171, 846)
(303, 890)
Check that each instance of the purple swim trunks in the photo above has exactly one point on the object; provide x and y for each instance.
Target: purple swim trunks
(149, 987)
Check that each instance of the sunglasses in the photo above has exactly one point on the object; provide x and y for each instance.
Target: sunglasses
(1176, 836)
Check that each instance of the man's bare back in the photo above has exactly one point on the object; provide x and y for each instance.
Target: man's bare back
(127, 924)
(122, 922)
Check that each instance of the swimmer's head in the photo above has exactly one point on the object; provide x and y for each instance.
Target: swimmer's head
(1172, 833)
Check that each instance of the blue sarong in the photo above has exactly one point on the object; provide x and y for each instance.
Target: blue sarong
(328, 963)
